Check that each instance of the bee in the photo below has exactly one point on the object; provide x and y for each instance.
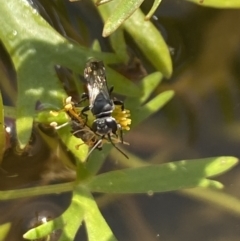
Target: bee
(110, 116)
(83, 131)
(101, 104)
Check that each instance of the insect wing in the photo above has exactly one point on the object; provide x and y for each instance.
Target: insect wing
(94, 74)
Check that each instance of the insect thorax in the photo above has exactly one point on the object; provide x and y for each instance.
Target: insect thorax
(102, 106)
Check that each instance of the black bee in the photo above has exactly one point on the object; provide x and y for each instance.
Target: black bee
(100, 103)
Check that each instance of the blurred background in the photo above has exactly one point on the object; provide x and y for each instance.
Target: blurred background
(202, 120)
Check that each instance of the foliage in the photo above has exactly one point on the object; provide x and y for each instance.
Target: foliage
(35, 49)
(2, 131)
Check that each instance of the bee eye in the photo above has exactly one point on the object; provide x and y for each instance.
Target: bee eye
(112, 124)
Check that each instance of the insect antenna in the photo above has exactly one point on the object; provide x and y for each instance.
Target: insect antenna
(110, 139)
(121, 134)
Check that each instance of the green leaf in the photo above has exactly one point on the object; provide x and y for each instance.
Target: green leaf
(21, 38)
(150, 41)
(120, 12)
(10, 112)
(47, 117)
(153, 9)
(53, 144)
(35, 48)
(69, 222)
(99, 2)
(97, 158)
(97, 228)
(96, 46)
(119, 45)
(82, 207)
(147, 86)
(153, 106)
(146, 36)
(25, 42)
(217, 198)
(2, 130)
(141, 113)
(217, 3)
(74, 144)
(36, 191)
(121, 83)
(4, 230)
(164, 177)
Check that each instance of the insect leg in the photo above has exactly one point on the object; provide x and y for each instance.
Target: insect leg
(121, 133)
(84, 96)
(86, 108)
(116, 102)
(94, 147)
(111, 89)
(119, 102)
(110, 139)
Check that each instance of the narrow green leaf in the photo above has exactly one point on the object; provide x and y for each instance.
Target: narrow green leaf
(150, 41)
(121, 84)
(97, 158)
(24, 35)
(149, 84)
(143, 112)
(119, 45)
(74, 216)
(146, 36)
(53, 144)
(96, 46)
(47, 117)
(10, 112)
(74, 144)
(140, 112)
(153, 9)
(69, 222)
(217, 3)
(146, 86)
(164, 177)
(100, 2)
(83, 206)
(45, 229)
(4, 230)
(36, 191)
(2, 130)
(120, 12)
(74, 56)
(217, 198)
(97, 227)
(35, 48)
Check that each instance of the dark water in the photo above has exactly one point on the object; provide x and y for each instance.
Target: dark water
(202, 120)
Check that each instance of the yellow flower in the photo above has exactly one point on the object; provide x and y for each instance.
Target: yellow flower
(122, 117)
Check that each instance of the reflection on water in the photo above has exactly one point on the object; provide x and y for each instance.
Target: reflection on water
(203, 120)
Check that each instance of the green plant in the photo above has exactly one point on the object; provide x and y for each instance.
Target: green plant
(34, 43)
